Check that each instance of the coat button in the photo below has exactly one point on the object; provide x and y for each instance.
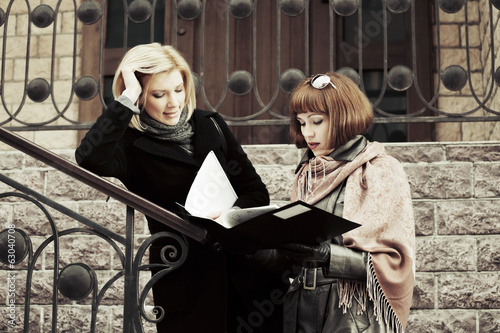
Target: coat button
(216, 247)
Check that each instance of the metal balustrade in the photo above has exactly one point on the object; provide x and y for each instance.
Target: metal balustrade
(48, 19)
(77, 280)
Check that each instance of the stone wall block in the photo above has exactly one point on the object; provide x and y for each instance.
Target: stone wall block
(476, 153)
(34, 321)
(487, 180)
(467, 217)
(16, 47)
(449, 35)
(440, 180)
(42, 289)
(81, 248)
(413, 153)
(11, 161)
(447, 131)
(33, 221)
(115, 292)
(56, 139)
(474, 38)
(488, 254)
(279, 180)
(61, 187)
(117, 320)
(111, 215)
(34, 180)
(489, 321)
(423, 292)
(271, 155)
(445, 254)
(441, 321)
(416, 153)
(6, 213)
(458, 56)
(4, 274)
(13, 95)
(467, 290)
(72, 318)
(424, 218)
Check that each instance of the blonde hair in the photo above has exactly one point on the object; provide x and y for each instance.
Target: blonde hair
(349, 110)
(152, 59)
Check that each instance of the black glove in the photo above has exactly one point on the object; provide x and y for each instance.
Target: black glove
(307, 255)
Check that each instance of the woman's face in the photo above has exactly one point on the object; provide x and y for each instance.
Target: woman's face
(314, 128)
(166, 97)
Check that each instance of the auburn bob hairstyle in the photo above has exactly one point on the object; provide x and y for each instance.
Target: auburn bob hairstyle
(149, 60)
(348, 109)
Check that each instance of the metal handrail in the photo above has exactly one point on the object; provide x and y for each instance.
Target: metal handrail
(103, 185)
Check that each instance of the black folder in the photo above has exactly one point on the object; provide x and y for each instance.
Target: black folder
(297, 222)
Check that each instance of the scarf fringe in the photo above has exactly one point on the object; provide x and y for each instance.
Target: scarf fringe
(360, 291)
(349, 290)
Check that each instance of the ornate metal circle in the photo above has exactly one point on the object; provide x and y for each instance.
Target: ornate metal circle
(14, 245)
(398, 6)
(240, 82)
(345, 7)
(497, 76)
(140, 11)
(454, 78)
(38, 90)
(290, 78)
(240, 8)
(2, 17)
(86, 87)
(350, 73)
(496, 3)
(76, 281)
(42, 16)
(292, 7)
(451, 6)
(189, 9)
(89, 12)
(400, 78)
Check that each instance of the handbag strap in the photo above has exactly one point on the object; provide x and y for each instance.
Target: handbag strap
(222, 137)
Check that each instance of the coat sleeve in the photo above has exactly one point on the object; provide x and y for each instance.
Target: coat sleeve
(346, 263)
(102, 150)
(246, 182)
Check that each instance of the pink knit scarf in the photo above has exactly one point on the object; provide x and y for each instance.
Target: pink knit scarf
(377, 195)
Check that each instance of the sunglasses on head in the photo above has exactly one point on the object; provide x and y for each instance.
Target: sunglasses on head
(320, 81)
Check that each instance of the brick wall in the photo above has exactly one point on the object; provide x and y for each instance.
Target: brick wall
(454, 35)
(456, 193)
(18, 71)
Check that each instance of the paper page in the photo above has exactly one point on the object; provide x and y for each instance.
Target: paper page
(238, 216)
(291, 212)
(211, 190)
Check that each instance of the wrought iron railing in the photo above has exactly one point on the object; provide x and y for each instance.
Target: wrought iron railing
(77, 281)
(48, 19)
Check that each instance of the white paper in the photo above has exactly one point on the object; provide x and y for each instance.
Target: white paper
(235, 217)
(211, 190)
(291, 212)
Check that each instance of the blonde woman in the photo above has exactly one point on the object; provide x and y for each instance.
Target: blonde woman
(154, 140)
(361, 281)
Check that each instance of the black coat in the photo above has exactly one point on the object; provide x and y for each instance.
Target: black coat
(195, 296)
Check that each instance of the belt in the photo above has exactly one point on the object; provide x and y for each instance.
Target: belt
(310, 278)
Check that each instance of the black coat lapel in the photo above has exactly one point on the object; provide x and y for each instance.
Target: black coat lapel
(206, 136)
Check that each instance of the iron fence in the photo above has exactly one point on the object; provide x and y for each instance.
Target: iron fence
(23, 26)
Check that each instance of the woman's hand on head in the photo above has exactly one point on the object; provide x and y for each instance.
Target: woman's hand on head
(133, 87)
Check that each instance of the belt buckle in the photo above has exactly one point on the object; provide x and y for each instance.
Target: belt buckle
(315, 274)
